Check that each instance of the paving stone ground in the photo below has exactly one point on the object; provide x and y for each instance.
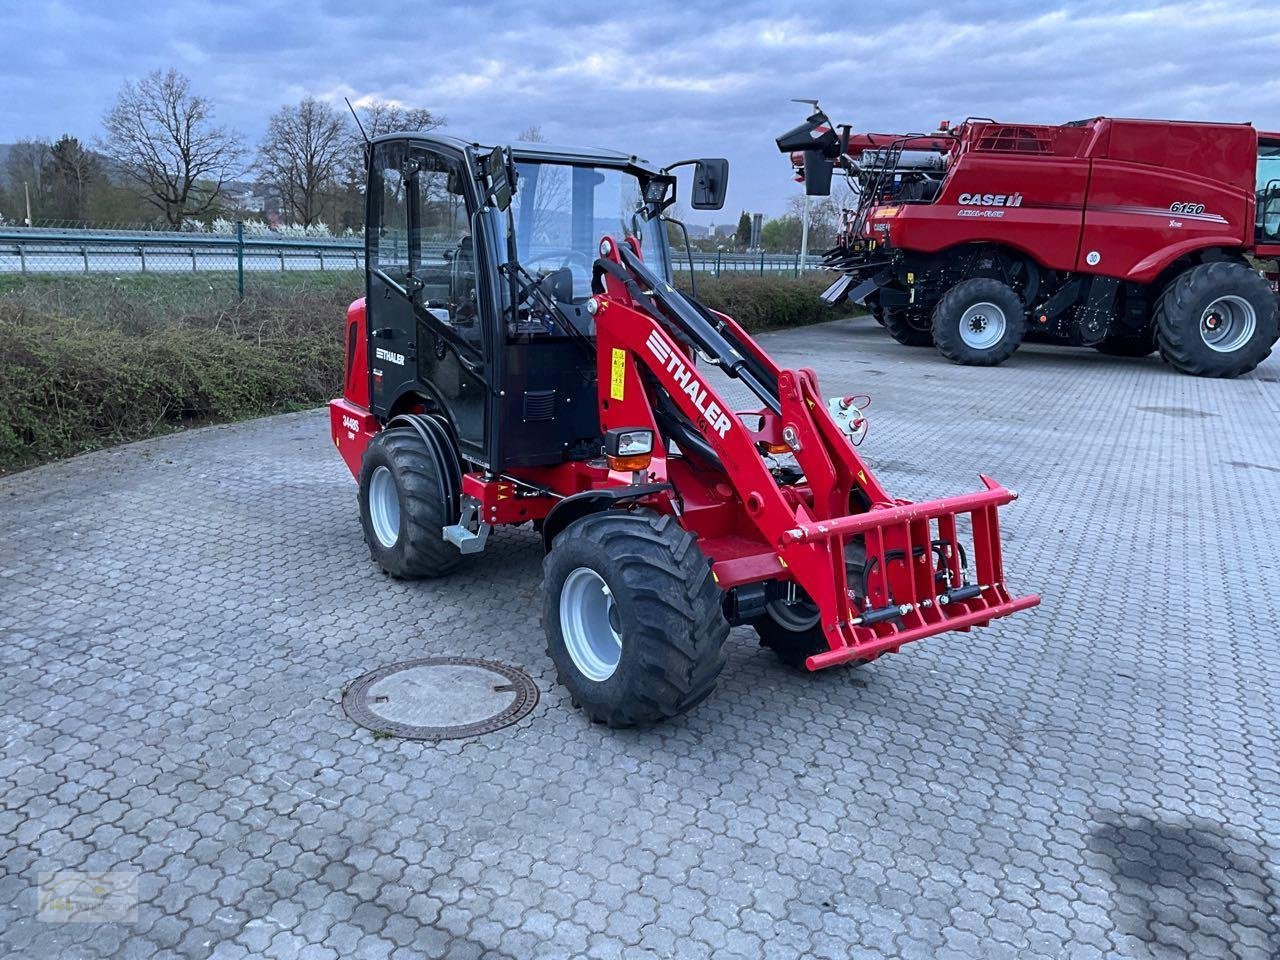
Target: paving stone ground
(1095, 778)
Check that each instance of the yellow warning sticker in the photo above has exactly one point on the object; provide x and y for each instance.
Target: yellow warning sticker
(617, 382)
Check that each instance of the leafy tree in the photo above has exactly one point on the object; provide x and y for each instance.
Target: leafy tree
(743, 234)
(164, 138)
(302, 156)
(781, 235)
(71, 172)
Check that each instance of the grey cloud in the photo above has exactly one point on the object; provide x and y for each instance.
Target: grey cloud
(663, 79)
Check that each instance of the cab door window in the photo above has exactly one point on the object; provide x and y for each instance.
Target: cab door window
(443, 255)
(389, 213)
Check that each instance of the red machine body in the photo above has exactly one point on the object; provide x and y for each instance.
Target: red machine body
(968, 239)
(916, 581)
(1092, 197)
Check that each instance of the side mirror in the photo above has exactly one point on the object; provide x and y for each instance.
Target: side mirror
(817, 174)
(710, 182)
(500, 185)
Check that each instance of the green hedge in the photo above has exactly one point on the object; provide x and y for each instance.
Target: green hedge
(87, 362)
(766, 301)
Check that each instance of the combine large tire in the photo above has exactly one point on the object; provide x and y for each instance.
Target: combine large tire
(408, 494)
(979, 322)
(1216, 320)
(634, 620)
(908, 329)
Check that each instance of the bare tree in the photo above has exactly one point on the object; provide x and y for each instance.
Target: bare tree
(164, 138)
(303, 155)
(531, 134)
(376, 117)
(379, 117)
(24, 169)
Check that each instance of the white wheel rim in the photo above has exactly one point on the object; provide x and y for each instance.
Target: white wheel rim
(590, 624)
(982, 326)
(384, 507)
(1228, 324)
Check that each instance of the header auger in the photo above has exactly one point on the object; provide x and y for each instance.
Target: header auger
(590, 408)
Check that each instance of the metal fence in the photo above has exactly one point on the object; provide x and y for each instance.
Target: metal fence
(32, 251)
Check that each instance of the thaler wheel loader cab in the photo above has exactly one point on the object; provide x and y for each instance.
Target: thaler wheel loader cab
(522, 357)
(441, 282)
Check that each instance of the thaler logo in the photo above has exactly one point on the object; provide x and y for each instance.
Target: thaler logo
(387, 355)
(990, 199)
(690, 384)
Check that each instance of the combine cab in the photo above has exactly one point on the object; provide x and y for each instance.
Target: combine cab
(521, 357)
(1130, 236)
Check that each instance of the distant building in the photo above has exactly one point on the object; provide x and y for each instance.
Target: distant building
(726, 229)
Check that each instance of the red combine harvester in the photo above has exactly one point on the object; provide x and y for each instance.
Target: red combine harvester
(509, 366)
(1129, 236)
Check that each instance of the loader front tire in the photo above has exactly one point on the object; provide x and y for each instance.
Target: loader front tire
(407, 497)
(908, 329)
(979, 322)
(1216, 320)
(634, 619)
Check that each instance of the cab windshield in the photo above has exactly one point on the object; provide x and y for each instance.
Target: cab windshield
(561, 211)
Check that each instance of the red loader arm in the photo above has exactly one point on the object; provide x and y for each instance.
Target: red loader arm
(757, 523)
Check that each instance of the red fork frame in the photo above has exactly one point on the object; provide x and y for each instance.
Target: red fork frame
(914, 585)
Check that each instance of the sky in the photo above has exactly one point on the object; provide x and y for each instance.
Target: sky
(667, 81)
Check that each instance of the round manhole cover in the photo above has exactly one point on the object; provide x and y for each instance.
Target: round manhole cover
(440, 698)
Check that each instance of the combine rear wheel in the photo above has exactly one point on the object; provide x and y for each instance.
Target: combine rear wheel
(408, 494)
(979, 322)
(634, 620)
(1216, 320)
(908, 329)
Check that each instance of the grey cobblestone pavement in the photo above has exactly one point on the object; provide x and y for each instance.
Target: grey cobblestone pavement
(1095, 778)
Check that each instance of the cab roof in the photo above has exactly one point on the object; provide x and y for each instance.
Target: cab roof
(550, 152)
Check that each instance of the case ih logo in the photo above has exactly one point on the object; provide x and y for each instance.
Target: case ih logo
(387, 355)
(990, 200)
(690, 384)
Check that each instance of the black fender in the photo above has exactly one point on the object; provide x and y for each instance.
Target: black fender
(592, 501)
(435, 435)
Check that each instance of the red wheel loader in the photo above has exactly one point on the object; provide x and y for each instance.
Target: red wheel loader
(1129, 236)
(521, 357)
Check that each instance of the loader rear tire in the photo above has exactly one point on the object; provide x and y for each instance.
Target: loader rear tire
(907, 329)
(979, 322)
(1216, 320)
(634, 619)
(407, 497)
